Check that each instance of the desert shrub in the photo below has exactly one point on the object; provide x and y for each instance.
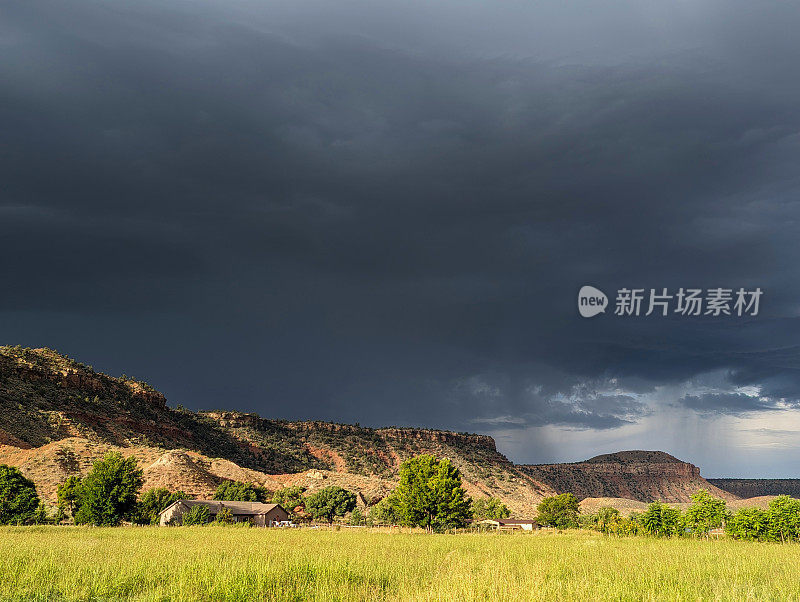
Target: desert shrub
(196, 515)
(18, 499)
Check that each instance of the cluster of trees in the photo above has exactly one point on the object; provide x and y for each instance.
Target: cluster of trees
(659, 520)
(780, 522)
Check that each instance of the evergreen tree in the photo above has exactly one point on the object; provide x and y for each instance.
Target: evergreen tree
(430, 494)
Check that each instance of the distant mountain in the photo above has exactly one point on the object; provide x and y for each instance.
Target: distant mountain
(639, 475)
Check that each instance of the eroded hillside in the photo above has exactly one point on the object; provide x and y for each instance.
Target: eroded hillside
(57, 416)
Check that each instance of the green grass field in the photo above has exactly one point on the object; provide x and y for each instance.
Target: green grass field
(219, 563)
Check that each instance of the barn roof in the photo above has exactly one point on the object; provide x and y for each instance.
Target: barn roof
(237, 508)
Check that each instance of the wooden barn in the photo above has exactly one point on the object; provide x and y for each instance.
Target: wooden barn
(260, 515)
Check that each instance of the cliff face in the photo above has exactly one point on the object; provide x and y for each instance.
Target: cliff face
(57, 416)
(639, 475)
(758, 487)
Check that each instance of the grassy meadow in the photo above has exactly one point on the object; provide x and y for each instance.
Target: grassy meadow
(219, 563)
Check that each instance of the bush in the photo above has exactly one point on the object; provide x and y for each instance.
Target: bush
(196, 515)
(18, 499)
(224, 517)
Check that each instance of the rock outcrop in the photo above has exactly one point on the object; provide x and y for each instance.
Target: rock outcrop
(644, 476)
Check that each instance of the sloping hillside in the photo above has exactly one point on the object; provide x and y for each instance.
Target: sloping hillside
(58, 415)
(639, 475)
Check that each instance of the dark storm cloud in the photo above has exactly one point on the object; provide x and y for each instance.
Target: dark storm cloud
(727, 403)
(382, 214)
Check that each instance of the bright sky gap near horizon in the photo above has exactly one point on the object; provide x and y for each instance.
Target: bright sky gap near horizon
(382, 212)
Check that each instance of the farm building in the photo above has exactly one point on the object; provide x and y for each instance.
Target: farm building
(510, 524)
(261, 515)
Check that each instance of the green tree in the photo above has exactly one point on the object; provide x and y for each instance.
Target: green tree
(290, 498)
(108, 493)
(608, 519)
(69, 493)
(196, 515)
(784, 514)
(489, 507)
(559, 511)
(357, 518)
(330, 502)
(237, 491)
(661, 520)
(752, 524)
(705, 513)
(18, 499)
(386, 512)
(153, 502)
(430, 494)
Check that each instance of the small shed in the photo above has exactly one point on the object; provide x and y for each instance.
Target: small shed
(510, 524)
(260, 515)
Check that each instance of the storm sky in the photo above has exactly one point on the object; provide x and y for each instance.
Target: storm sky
(382, 212)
